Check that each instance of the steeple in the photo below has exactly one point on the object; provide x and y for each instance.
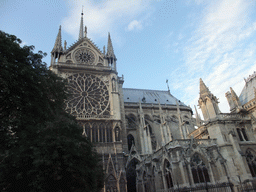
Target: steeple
(57, 50)
(110, 53)
(208, 102)
(81, 32)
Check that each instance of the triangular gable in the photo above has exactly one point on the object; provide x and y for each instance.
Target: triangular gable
(110, 167)
(80, 41)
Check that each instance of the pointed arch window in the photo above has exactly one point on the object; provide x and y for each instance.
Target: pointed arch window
(131, 121)
(95, 133)
(130, 139)
(251, 160)
(242, 134)
(167, 173)
(199, 170)
(87, 129)
(109, 134)
(102, 133)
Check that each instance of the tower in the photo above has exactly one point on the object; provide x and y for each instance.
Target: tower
(94, 99)
(208, 102)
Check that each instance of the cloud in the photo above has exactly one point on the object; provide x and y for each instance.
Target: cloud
(134, 25)
(104, 16)
(221, 50)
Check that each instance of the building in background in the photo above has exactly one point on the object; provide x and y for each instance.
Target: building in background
(147, 138)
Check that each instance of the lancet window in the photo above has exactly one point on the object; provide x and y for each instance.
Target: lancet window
(251, 160)
(199, 170)
(131, 121)
(242, 134)
(109, 133)
(130, 140)
(98, 132)
(168, 175)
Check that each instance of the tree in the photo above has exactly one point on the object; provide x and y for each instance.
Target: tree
(42, 147)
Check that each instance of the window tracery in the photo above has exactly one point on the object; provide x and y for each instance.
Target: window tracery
(199, 170)
(89, 96)
(242, 134)
(251, 160)
(167, 173)
(98, 132)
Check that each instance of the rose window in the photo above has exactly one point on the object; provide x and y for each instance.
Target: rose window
(89, 95)
(85, 56)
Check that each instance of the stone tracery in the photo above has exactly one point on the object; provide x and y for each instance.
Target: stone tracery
(89, 95)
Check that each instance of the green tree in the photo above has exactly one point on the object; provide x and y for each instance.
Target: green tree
(42, 147)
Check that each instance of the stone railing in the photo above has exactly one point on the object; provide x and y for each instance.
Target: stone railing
(179, 143)
(232, 116)
(80, 65)
(82, 117)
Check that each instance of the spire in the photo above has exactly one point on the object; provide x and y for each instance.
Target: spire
(198, 118)
(110, 51)
(81, 32)
(58, 45)
(203, 89)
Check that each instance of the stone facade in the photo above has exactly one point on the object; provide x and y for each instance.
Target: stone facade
(147, 138)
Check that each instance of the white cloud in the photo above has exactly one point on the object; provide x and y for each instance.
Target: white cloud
(103, 16)
(134, 25)
(218, 51)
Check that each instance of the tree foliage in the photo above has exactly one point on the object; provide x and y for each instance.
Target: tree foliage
(42, 147)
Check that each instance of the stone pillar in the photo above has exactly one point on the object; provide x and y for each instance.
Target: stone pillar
(181, 168)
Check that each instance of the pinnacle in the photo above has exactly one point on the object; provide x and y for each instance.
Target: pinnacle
(58, 44)
(203, 89)
(110, 50)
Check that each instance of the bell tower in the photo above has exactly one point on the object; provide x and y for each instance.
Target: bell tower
(94, 100)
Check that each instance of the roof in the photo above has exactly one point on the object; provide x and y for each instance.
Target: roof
(149, 96)
(247, 93)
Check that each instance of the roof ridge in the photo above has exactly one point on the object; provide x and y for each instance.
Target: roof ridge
(146, 89)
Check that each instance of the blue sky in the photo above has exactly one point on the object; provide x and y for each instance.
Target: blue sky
(181, 41)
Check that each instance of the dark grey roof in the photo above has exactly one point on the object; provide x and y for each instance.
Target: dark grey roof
(247, 93)
(149, 96)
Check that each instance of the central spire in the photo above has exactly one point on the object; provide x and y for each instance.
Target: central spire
(81, 32)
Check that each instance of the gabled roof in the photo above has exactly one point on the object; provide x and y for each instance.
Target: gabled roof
(73, 46)
(149, 96)
(247, 93)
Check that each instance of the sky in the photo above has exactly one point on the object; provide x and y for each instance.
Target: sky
(153, 40)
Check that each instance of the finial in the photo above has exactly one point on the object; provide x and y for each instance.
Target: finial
(167, 85)
(82, 10)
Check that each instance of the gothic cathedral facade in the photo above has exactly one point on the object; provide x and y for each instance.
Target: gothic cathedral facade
(147, 138)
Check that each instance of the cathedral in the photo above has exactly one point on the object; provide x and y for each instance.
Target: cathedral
(149, 140)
